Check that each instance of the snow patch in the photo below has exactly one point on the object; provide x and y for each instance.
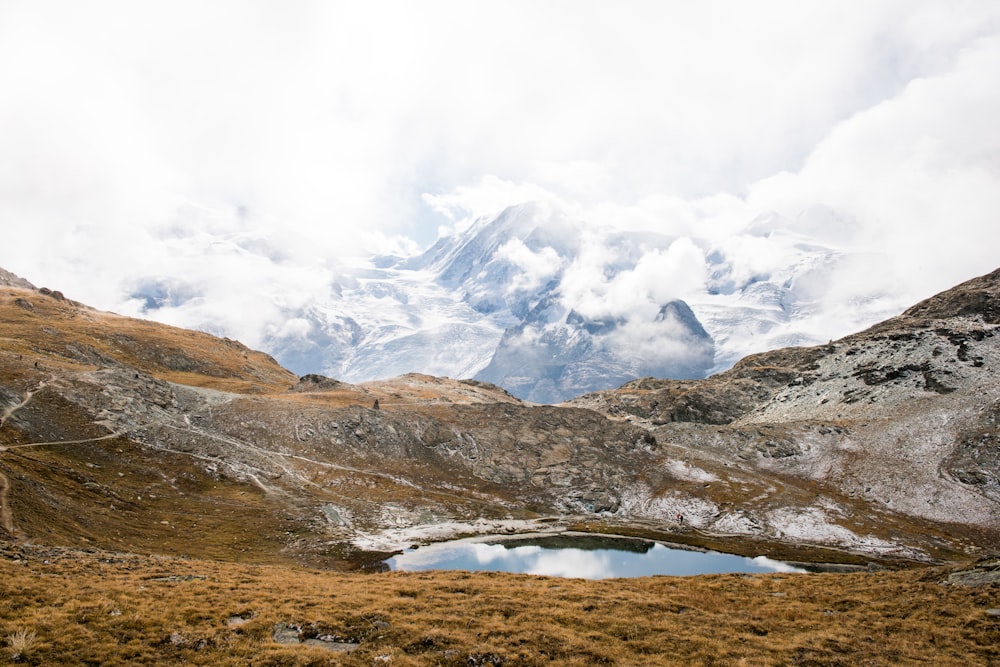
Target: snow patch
(685, 471)
(811, 525)
(696, 511)
(737, 523)
(396, 539)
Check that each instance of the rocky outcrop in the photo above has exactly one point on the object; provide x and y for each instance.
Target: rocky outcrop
(314, 382)
(985, 572)
(9, 279)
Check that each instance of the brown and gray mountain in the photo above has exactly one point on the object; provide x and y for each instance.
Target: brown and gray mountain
(127, 434)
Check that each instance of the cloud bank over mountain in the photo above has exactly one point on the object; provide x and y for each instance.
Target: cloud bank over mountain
(225, 167)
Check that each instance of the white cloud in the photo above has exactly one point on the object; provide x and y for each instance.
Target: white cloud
(244, 148)
(486, 197)
(776, 565)
(534, 267)
(590, 286)
(919, 172)
(573, 563)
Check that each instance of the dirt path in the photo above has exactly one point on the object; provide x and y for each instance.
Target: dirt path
(14, 408)
(6, 518)
(7, 448)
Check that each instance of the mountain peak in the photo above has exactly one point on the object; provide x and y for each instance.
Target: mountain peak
(555, 354)
(12, 280)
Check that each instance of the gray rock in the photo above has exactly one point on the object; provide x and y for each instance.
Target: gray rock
(329, 645)
(286, 634)
(982, 574)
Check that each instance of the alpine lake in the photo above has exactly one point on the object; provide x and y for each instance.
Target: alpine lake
(578, 555)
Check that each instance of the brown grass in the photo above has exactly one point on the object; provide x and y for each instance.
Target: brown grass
(63, 335)
(413, 392)
(115, 609)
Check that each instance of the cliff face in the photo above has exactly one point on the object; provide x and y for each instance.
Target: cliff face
(132, 435)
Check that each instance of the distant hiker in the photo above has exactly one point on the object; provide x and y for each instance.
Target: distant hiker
(680, 518)
(376, 407)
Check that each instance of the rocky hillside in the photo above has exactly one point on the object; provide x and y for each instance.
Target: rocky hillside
(124, 434)
(902, 417)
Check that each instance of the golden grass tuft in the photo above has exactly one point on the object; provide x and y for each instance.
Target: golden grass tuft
(21, 641)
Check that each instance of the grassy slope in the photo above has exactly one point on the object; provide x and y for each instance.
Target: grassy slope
(113, 609)
(63, 334)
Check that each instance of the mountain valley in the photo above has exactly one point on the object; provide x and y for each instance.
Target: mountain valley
(121, 437)
(881, 445)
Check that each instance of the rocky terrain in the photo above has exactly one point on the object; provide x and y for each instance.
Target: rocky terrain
(902, 417)
(124, 434)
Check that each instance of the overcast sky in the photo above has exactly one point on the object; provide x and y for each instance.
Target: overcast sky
(134, 135)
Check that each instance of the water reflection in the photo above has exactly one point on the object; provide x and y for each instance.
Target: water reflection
(587, 557)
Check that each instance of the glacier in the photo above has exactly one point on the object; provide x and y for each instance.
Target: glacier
(550, 307)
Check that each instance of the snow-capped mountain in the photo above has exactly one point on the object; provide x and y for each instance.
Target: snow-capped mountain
(782, 283)
(384, 322)
(550, 307)
(554, 354)
(494, 302)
